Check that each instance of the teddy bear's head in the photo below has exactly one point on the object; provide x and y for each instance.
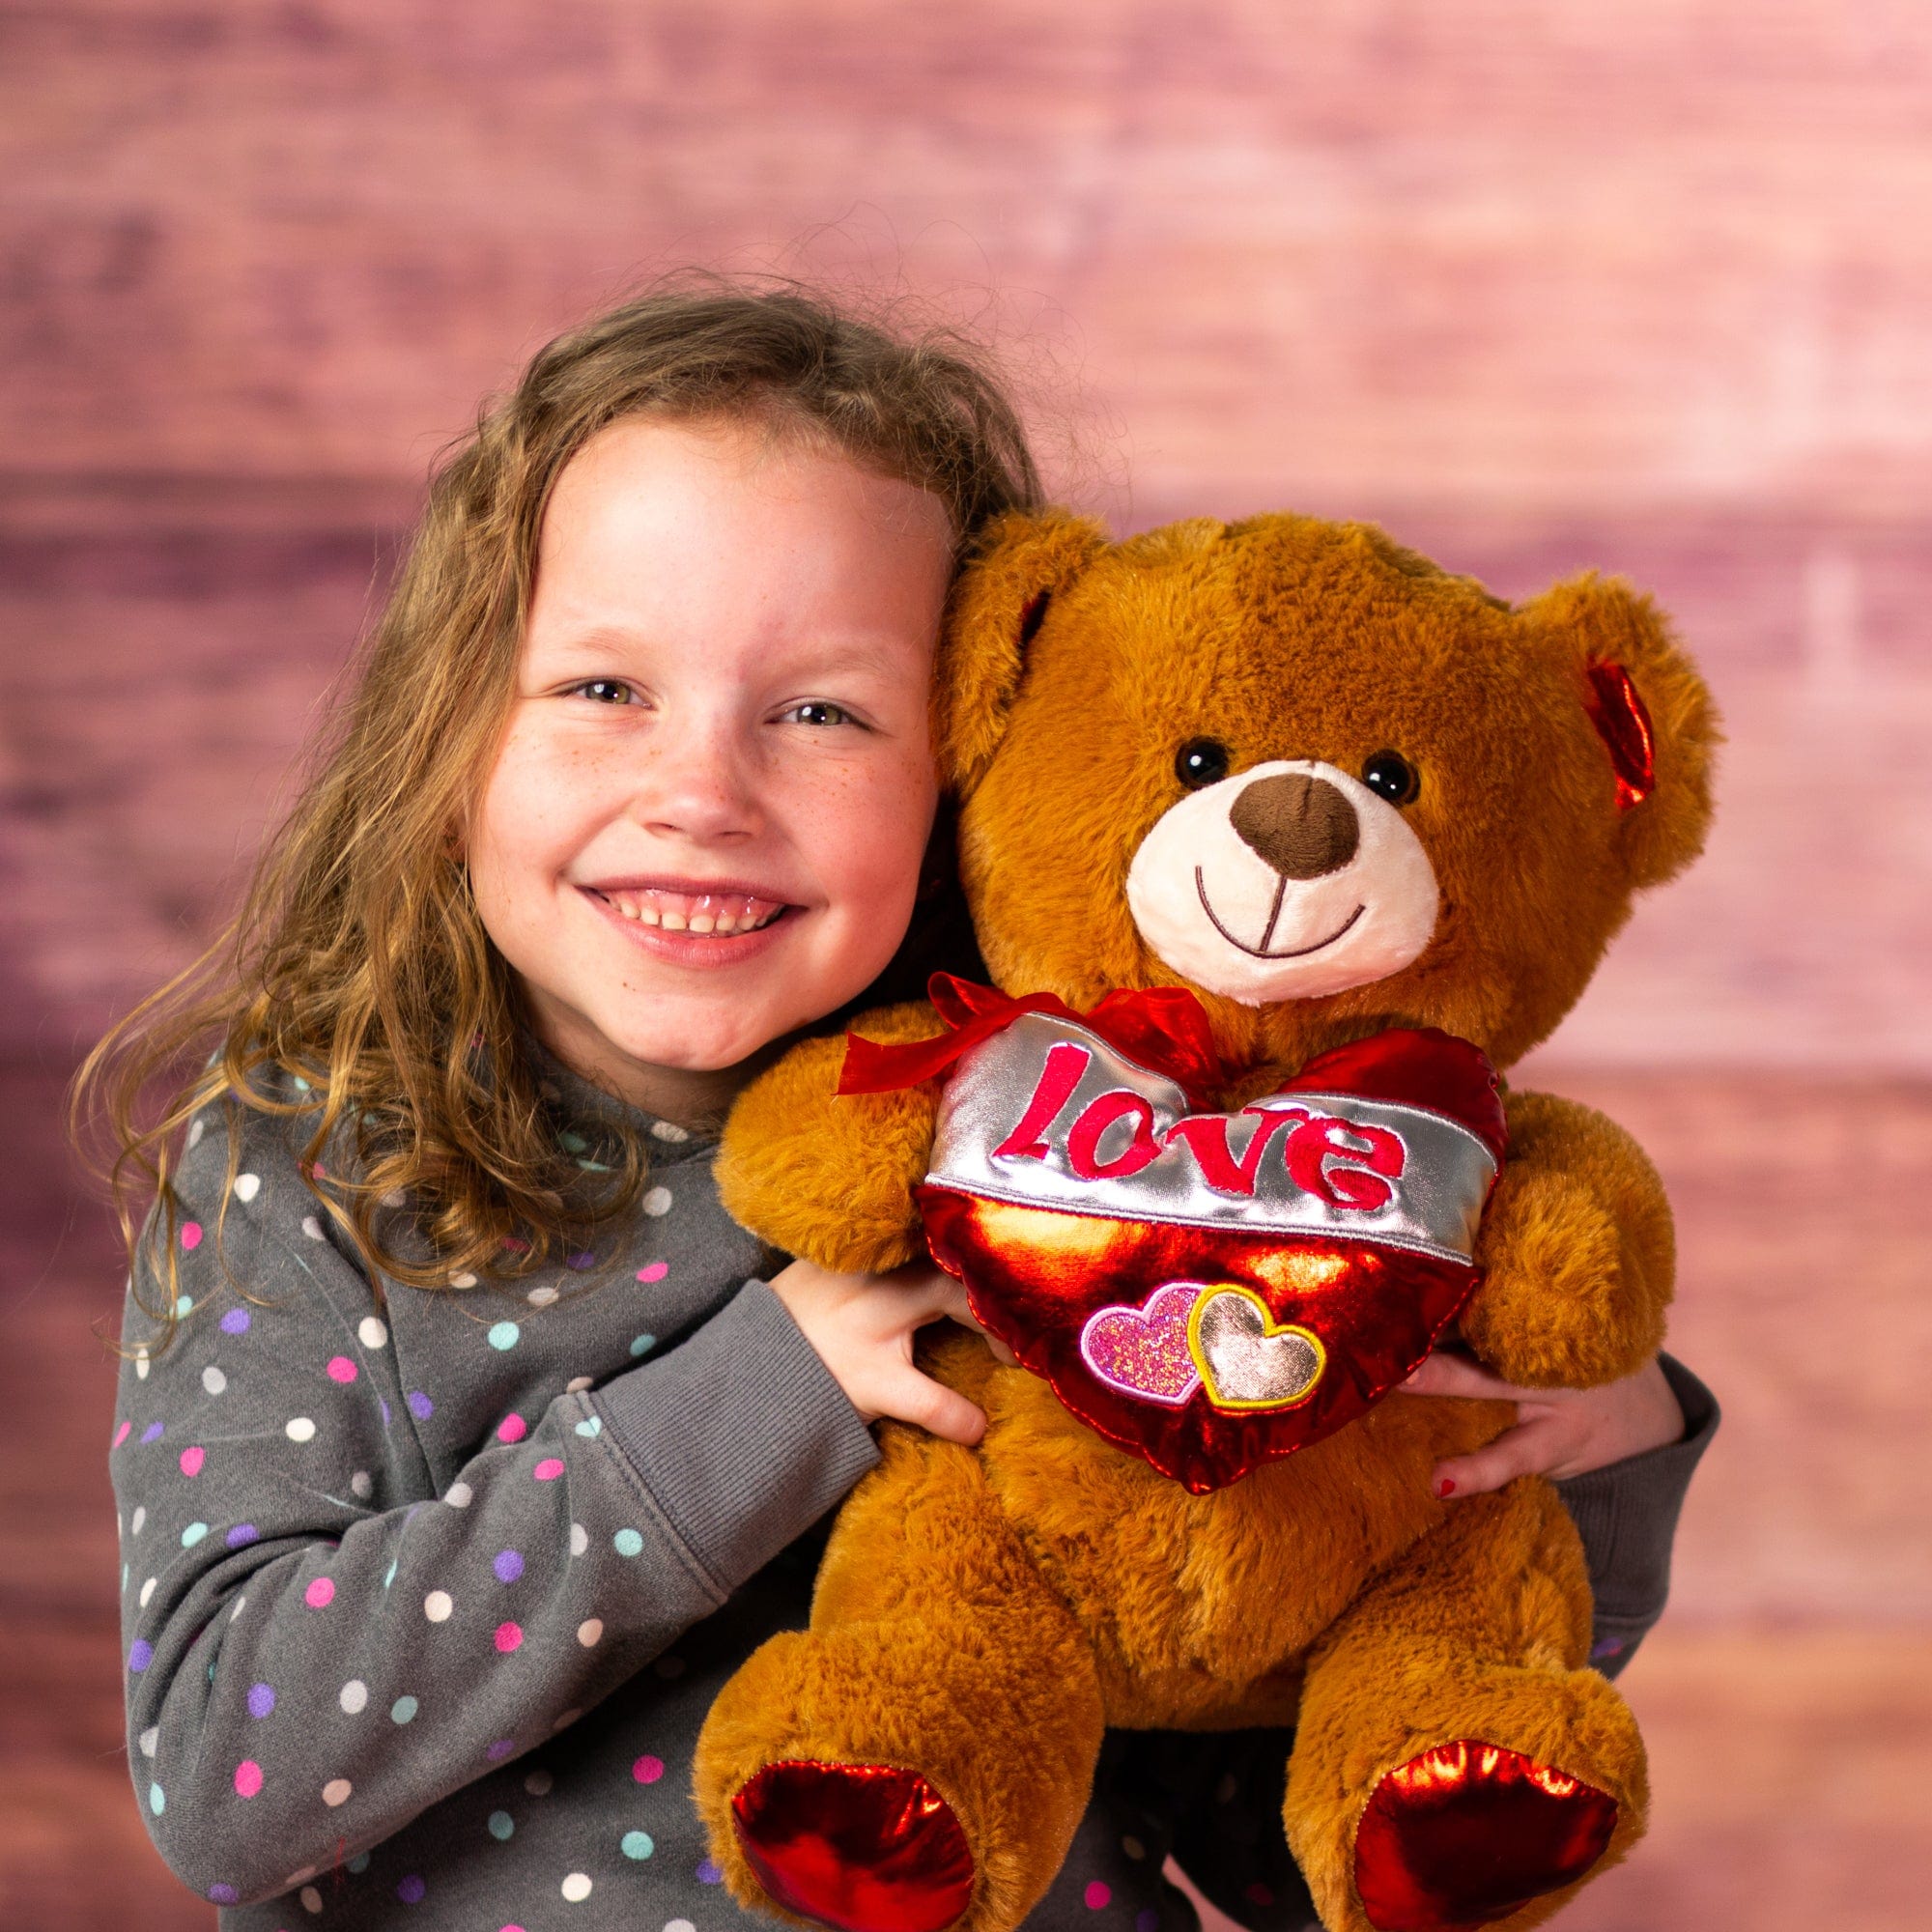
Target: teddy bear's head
(1306, 773)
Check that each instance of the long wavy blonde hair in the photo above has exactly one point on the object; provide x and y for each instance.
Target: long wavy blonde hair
(356, 982)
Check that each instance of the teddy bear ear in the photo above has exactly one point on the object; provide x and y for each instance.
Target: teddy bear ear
(1654, 722)
(1024, 560)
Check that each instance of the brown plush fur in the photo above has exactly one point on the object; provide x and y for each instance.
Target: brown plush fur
(982, 1615)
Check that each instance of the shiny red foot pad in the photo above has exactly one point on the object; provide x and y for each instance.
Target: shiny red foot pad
(863, 1847)
(1469, 1832)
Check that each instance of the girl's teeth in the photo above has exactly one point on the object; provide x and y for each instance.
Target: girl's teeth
(672, 921)
(701, 922)
(645, 916)
(715, 914)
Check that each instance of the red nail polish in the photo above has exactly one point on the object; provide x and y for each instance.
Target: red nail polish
(1445, 1488)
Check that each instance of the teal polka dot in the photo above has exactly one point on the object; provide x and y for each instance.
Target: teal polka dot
(390, 1577)
(592, 1426)
(158, 1800)
(501, 1824)
(572, 1143)
(301, 1085)
(404, 1709)
(193, 1534)
(183, 1304)
(637, 1845)
(643, 1344)
(360, 1862)
(505, 1335)
(628, 1541)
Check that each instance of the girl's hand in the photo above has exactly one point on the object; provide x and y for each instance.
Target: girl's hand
(861, 1326)
(1559, 1431)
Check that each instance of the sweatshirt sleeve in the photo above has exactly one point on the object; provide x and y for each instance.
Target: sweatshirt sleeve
(318, 1647)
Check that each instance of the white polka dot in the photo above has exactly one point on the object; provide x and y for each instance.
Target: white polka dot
(372, 1332)
(299, 1429)
(679, 1925)
(588, 1632)
(311, 1898)
(538, 1784)
(212, 1379)
(657, 1201)
(312, 1227)
(577, 1888)
(669, 1130)
(395, 1198)
(458, 1495)
(462, 1281)
(362, 1483)
(577, 1383)
(149, 1739)
(147, 1591)
(541, 1297)
(336, 1792)
(580, 1538)
(195, 1129)
(565, 1721)
(241, 1604)
(139, 1518)
(436, 1607)
(247, 1186)
(141, 1364)
(355, 1695)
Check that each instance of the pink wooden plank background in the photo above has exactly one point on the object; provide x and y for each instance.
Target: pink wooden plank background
(1540, 283)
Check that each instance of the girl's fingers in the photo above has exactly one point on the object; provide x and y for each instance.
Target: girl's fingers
(960, 1310)
(910, 1396)
(1529, 1449)
(1447, 1373)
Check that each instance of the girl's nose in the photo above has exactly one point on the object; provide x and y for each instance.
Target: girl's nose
(699, 782)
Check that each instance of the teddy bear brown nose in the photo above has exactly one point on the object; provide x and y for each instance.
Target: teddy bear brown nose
(1304, 827)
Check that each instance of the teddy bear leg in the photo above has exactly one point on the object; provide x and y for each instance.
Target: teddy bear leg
(1453, 1765)
(921, 1756)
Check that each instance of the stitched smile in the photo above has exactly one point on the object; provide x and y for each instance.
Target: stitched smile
(1257, 952)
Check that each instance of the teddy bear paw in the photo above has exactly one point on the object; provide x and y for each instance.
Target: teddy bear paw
(1468, 1832)
(862, 1847)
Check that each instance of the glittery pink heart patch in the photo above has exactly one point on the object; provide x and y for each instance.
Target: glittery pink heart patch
(1142, 1351)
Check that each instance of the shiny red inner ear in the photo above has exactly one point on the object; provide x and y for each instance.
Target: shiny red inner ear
(1624, 726)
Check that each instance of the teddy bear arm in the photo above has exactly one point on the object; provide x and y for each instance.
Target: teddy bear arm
(828, 1177)
(1577, 1251)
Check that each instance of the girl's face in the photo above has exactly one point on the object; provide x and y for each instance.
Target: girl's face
(706, 819)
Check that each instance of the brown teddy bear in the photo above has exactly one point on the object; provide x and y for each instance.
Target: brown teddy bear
(1278, 839)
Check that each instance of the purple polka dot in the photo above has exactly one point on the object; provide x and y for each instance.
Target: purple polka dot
(501, 1748)
(261, 1699)
(223, 1895)
(708, 1873)
(242, 1534)
(509, 1566)
(153, 1432)
(1147, 1919)
(420, 1405)
(382, 1402)
(583, 1261)
(410, 1891)
(1609, 1647)
(236, 1322)
(140, 1654)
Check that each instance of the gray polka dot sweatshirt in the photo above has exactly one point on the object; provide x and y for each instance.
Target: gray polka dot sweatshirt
(425, 1602)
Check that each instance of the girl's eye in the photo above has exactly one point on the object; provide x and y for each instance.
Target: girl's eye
(818, 711)
(606, 690)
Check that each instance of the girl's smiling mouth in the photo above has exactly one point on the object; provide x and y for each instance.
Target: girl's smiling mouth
(693, 916)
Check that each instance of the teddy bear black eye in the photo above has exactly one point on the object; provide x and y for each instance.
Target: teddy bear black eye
(1391, 775)
(1201, 761)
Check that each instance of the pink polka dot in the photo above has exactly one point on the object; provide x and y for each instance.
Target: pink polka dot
(547, 1470)
(121, 1433)
(509, 1636)
(320, 1594)
(191, 1234)
(512, 1429)
(654, 1271)
(1097, 1896)
(191, 1461)
(341, 1369)
(247, 1777)
(648, 1769)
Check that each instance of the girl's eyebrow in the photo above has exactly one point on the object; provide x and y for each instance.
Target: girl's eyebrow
(863, 652)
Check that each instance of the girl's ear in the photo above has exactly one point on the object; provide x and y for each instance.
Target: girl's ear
(1655, 724)
(1024, 561)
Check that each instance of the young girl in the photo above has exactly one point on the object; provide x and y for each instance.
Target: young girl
(464, 1446)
